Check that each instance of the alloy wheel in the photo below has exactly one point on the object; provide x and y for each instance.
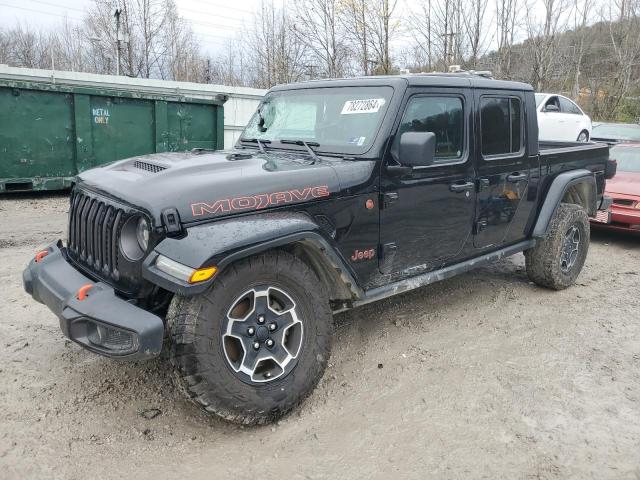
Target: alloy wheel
(262, 334)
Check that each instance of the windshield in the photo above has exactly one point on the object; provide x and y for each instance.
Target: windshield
(336, 119)
(617, 132)
(628, 158)
(539, 98)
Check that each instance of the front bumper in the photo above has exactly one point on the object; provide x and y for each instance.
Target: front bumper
(101, 322)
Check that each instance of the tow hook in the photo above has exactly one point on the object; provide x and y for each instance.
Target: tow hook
(83, 292)
(40, 255)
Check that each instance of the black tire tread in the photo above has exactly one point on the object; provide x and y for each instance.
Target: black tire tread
(542, 263)
(185, 324)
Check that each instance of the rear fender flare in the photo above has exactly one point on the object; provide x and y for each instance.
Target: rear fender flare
(576, 186)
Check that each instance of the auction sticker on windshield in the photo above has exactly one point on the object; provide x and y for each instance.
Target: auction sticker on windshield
(371, 105)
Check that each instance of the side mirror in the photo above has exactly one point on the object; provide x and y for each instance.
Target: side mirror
(551, 108)
(417, 149)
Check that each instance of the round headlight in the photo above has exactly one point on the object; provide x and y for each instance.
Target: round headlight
(134, 238)
(142, 233)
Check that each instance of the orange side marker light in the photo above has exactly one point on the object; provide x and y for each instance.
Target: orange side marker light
(83, 291)
(202, 274)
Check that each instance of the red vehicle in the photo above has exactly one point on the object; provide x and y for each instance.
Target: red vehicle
(624, 189)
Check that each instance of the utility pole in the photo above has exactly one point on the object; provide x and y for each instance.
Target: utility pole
(117, 15)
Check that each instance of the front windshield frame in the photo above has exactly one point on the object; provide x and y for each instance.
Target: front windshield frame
(348, 148)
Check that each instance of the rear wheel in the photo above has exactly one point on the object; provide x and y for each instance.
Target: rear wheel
(584, 136)
(557, 259)
(255, 345)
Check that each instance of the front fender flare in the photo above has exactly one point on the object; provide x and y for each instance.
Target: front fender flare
(223, 242)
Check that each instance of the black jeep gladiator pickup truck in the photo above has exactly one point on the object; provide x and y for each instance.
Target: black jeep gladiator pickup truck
(338, 193)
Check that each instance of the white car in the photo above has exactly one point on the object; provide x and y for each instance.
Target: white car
(560, 119)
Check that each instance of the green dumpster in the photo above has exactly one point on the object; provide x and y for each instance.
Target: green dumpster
(49, 132)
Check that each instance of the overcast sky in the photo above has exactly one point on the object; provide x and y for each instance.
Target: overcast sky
(214, 21)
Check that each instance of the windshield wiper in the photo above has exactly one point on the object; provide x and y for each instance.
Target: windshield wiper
(307, 145)
(261, 143)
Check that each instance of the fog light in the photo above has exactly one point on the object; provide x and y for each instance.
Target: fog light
(111, 338)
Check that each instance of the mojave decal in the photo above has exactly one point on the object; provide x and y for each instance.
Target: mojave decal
(260, 201)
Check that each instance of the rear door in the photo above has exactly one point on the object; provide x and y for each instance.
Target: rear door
(427, 214)
(502, 164)
(573, 118)
(552, 125)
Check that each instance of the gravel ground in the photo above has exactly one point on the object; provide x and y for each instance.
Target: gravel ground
(480, 376)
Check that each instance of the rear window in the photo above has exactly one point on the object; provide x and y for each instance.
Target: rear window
(501, 124)
(567, 106)
(617, 132)
(628, 158)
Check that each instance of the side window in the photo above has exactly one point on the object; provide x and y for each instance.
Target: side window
(440, 115)
(552, 101)
(567, 106)
(501, 124)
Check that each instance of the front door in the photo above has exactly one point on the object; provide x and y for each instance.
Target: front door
(551, 123)
(427, 214)
(502, 164)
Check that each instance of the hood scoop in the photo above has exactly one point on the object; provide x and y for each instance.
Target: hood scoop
(149, 167)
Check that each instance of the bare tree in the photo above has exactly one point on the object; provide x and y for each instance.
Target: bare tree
(476, 31)
(317, 26)
(508, 21)
(272, 46)
(422, 29)
(624, 32)
(543, 38)
(354, 17)
(382, 27)
(581, 10)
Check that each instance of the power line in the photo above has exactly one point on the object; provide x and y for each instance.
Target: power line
(200, 12)
(58, 6)
(44, 13)
(226, 7)
(214, 25)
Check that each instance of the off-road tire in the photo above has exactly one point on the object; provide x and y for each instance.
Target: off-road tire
(544, 260)
(201, 369)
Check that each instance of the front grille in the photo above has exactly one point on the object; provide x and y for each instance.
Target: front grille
(94, 230)
(623, 202)
(149, 167)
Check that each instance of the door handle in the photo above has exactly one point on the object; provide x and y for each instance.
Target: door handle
(461, 187)
(516, 177)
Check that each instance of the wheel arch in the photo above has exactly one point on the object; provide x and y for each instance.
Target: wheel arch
(225, 242)
(577, 187)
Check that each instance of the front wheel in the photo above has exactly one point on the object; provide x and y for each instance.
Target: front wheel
(584, 136)
(256, 343)
(557, 259)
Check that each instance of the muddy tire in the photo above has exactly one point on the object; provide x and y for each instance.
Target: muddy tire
(557, 259)
(254, 345)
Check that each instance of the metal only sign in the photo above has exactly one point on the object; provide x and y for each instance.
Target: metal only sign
(100, 116)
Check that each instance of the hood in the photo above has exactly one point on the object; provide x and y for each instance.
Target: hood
(205, 185)
(624, 183)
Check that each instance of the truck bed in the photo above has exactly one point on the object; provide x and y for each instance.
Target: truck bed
(559, 157)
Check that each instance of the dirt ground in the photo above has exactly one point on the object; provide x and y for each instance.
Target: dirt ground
(480, 376)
